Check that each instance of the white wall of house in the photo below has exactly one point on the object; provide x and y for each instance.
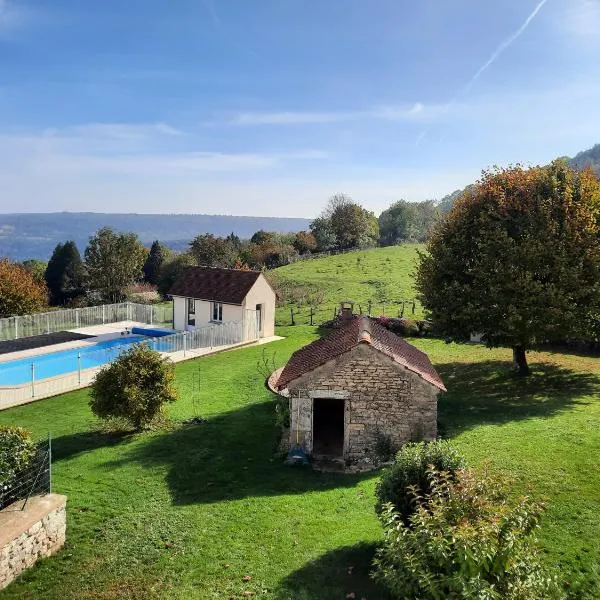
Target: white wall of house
(261, 293)
(203, 313)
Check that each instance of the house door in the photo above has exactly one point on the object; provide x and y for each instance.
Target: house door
(259, 320)
(328, 427)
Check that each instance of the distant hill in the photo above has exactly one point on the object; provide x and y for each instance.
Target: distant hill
(34, 235)
(583, 160)
(587, 158)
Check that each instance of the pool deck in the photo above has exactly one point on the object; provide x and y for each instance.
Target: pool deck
(23, 394)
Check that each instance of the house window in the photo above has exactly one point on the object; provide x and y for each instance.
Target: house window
(191, 311)
(217, 311)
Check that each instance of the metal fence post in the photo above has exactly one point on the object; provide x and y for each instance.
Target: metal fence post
(184, 342)
(16, 328)
(49, 462)
(33, 380)
(103, 314)
(79, 368)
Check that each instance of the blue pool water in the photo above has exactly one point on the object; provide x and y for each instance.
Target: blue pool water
(17, 372)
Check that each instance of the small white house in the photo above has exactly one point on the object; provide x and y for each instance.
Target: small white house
(209, 295)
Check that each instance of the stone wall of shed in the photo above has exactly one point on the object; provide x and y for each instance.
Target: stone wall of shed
(382, 398)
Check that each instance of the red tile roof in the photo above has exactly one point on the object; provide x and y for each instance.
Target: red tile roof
(359, 330)
(218, 285)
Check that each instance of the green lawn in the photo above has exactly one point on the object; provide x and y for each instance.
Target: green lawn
(381, 276)
(189, 512)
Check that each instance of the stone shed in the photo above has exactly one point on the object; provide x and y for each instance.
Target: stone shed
(356, 386)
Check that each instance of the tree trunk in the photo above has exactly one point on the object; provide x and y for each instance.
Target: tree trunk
(520, 360)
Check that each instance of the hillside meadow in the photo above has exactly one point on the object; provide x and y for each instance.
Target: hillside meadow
(381, 277)
(210, 510)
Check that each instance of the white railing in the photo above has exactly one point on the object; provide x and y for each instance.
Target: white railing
(82, 368)
(12, 328)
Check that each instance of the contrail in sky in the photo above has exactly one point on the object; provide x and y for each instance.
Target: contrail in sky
(490, 61)
(503, 46)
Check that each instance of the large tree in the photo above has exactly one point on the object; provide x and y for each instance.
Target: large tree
(65, 273)
(114, 261)
(351, 225)
(407, 222)
(171, 270)
(20, 292)
(158, 254)
(211, 251)
(517, 259)
(36, 267)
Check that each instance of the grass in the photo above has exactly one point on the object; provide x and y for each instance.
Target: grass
(379, 276)
(189, 512)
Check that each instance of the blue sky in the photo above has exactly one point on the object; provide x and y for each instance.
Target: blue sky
(267, 107)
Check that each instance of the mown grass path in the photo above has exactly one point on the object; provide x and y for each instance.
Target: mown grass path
(189, 512)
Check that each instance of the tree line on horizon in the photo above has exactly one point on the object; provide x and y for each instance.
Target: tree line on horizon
(113, 261)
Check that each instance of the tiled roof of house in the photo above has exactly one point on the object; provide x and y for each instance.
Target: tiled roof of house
(359, 330)
(218, 285)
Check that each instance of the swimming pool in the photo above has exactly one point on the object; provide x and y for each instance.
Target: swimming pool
(18, 372)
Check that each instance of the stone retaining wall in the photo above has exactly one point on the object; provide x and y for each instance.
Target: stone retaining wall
(30, 534)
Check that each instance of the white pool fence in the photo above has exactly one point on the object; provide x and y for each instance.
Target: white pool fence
(83, 366)
(13, 328)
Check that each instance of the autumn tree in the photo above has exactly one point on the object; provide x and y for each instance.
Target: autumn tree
(20, 292)
(65, 273)
(114, 261)
(211, 251)
(517, 259)
(158, 254)
(304, 242)
(262, 237)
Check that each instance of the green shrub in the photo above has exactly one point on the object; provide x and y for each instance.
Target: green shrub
(464, 540)
(411, 468)
(17, 451)
(384, 447)
(282, 412)
(134, 387)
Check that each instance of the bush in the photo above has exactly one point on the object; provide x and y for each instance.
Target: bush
(17, 451)
(403, 327)
(411, 468)
(464, 540)
(134, 387)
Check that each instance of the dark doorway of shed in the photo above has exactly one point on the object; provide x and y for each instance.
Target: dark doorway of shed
(328, 427)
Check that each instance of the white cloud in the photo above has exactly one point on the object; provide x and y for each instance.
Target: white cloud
(414, 112)
(129, 149)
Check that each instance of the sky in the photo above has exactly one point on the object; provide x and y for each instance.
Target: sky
(268, 107)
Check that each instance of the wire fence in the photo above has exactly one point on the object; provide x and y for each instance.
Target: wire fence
(35, 479)
(52, 373)
(12, 328)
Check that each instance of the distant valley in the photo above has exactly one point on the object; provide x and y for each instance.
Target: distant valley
(34, 235)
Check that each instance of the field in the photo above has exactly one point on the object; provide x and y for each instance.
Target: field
(190, 511)
(380, 278)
